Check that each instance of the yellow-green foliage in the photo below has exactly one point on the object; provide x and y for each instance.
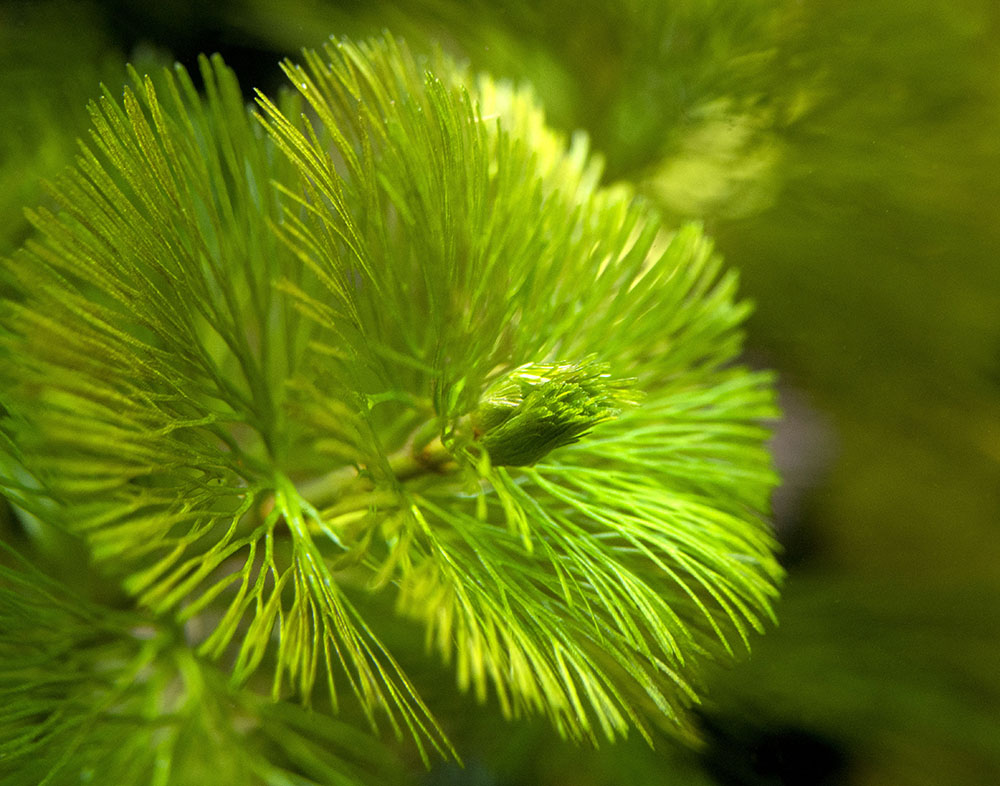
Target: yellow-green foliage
(243, 357)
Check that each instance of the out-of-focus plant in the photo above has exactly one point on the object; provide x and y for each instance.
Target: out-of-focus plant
(52, 57)
(677, 97)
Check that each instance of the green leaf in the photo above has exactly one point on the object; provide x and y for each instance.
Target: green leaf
(146, 358)
(266, 367)
(590, 587)
(95, 695)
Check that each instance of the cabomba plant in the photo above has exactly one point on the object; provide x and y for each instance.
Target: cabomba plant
(386, 337)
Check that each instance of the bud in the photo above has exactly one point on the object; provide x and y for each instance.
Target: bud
(538, 407)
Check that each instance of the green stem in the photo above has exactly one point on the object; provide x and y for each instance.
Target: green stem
(345, 488)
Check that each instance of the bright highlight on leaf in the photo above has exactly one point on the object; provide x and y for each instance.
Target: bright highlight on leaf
(391, 336)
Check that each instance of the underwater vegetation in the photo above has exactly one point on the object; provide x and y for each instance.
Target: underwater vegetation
(408, 381)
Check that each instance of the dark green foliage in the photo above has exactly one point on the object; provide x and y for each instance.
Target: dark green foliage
(88, 694)
(536, 408)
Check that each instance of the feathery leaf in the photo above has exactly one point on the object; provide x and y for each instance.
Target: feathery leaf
(405, 342)
(89, 693)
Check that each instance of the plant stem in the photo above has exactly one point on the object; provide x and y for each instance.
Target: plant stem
(346, 489)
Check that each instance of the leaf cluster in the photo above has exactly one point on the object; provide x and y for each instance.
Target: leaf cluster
(89, 693)
(242, 358)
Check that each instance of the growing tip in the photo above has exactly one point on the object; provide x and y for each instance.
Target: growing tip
(538, 407)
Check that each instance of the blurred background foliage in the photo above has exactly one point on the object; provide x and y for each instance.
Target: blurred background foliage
(845, 154)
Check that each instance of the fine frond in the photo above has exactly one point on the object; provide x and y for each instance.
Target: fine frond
(392, 335)
(146, 351)
(91, 694)
(462, 249)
